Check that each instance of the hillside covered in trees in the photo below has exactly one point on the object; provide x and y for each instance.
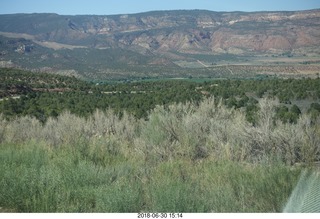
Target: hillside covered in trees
(44, 95)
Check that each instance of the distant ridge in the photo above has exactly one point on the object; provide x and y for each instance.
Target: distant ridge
(175, 39)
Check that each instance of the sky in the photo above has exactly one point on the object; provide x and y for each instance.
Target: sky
(109, 7)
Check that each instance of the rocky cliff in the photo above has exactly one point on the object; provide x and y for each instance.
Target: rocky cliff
(170, 36)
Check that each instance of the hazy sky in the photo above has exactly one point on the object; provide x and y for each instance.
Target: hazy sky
(107, 7)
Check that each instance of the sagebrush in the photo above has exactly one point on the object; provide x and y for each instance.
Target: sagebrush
(183, 158)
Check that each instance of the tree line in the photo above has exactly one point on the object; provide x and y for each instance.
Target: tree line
(47, 95)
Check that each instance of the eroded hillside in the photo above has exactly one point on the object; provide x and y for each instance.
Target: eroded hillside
(165, 39)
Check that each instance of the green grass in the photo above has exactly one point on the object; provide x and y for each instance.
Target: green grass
(184, 158)
(220, 187)
(39, 180)
(36, 178)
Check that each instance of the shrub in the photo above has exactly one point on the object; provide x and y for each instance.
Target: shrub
(3, 124)
(188, 157)
(21, 129)
(211, 155)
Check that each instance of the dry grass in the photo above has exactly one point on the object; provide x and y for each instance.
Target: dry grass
(183, 158)
(209, 129)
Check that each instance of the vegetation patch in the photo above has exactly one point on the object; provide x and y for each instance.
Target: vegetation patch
(187, 157)
(168, 146)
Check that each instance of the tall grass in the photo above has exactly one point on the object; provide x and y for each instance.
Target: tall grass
(183, 158)
(210, 186)
(37, 180)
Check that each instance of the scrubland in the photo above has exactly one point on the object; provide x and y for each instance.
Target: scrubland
(191, 157)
